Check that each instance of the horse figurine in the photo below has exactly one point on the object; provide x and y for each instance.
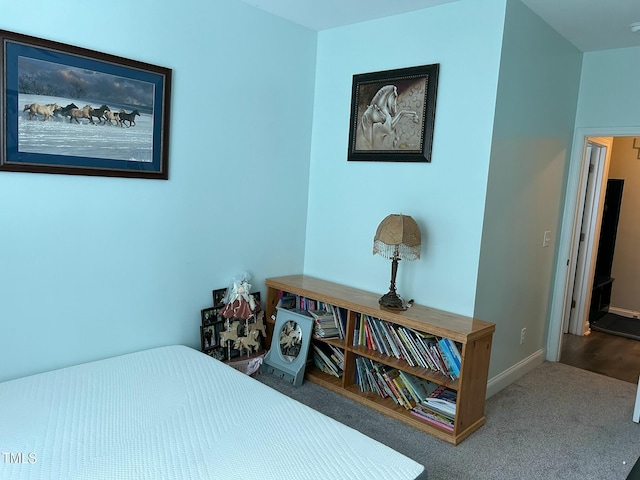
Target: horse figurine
(249, 343)
(258, 325)
(231, 334)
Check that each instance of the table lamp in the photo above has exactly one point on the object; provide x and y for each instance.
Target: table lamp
(397, 238)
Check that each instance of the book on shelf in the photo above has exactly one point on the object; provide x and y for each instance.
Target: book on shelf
(424, 341)
(321, 315)
(410, 351)
(416, 348)
(388, 335)
(367, 380)
(433, 418)
(447, 355)
(359, 331)
(419, 387)
(339, 318)
(436, 354)
(366, 334)
(337, 355)
(455, 351)
(438, 408)
(287, 301)
(408, 400)
(442, 400)
(389, 374)
(327, 361)
(325, 332)
(390, 382)
(375, 342)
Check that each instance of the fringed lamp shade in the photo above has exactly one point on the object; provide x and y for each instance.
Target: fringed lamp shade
(398, 235)
(397, 238)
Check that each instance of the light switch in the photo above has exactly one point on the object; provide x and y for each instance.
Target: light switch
(547, 238)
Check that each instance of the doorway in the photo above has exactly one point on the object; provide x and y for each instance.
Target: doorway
(576, 204)
(582, 347)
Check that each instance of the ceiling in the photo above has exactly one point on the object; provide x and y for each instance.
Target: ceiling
(588, 24)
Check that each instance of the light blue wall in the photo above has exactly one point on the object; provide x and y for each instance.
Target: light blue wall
(609, 93)
(347, 200)
(535, 112)
(92, 267)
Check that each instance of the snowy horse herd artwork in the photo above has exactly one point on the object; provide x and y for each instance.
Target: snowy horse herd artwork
(77, 111)
(392, 114)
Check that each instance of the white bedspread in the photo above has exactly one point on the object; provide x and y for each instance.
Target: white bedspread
(175, 413)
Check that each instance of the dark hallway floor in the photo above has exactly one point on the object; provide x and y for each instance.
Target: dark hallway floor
(609, 355)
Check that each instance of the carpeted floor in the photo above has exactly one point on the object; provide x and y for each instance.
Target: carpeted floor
(557, 422)
(614, 324)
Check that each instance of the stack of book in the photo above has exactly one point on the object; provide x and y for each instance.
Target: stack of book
(328, 358)
(324, 324)
(439, 408)
(416, 348)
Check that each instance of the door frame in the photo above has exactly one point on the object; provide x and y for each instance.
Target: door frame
(591, 206)
(567, 252)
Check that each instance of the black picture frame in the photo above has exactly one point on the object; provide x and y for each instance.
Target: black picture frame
(40, 83)
(393, 115)
(210, 316)
(218, 296)
(209, 336)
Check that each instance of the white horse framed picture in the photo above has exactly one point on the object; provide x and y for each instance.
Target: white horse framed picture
(71, 110)
(393, 114)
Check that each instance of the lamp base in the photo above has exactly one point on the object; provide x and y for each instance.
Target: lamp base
(391, 301)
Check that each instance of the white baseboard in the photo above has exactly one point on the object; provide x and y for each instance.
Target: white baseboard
(506, 378)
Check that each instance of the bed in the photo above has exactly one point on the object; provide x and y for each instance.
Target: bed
(175, 413)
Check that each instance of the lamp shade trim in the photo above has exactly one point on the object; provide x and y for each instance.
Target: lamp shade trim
(398, 235)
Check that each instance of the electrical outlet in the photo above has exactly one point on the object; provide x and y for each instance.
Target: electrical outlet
(523, 332)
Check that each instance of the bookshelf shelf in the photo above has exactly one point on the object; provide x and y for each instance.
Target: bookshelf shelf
(473, 338)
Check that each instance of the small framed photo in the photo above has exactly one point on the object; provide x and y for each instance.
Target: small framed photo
(393, 114)
(218, 296)
(210, 315)
(63, 108)
(209, 337)
(256, 296)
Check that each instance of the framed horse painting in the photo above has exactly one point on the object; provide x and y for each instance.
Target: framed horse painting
(70, 110)
(393, 114)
